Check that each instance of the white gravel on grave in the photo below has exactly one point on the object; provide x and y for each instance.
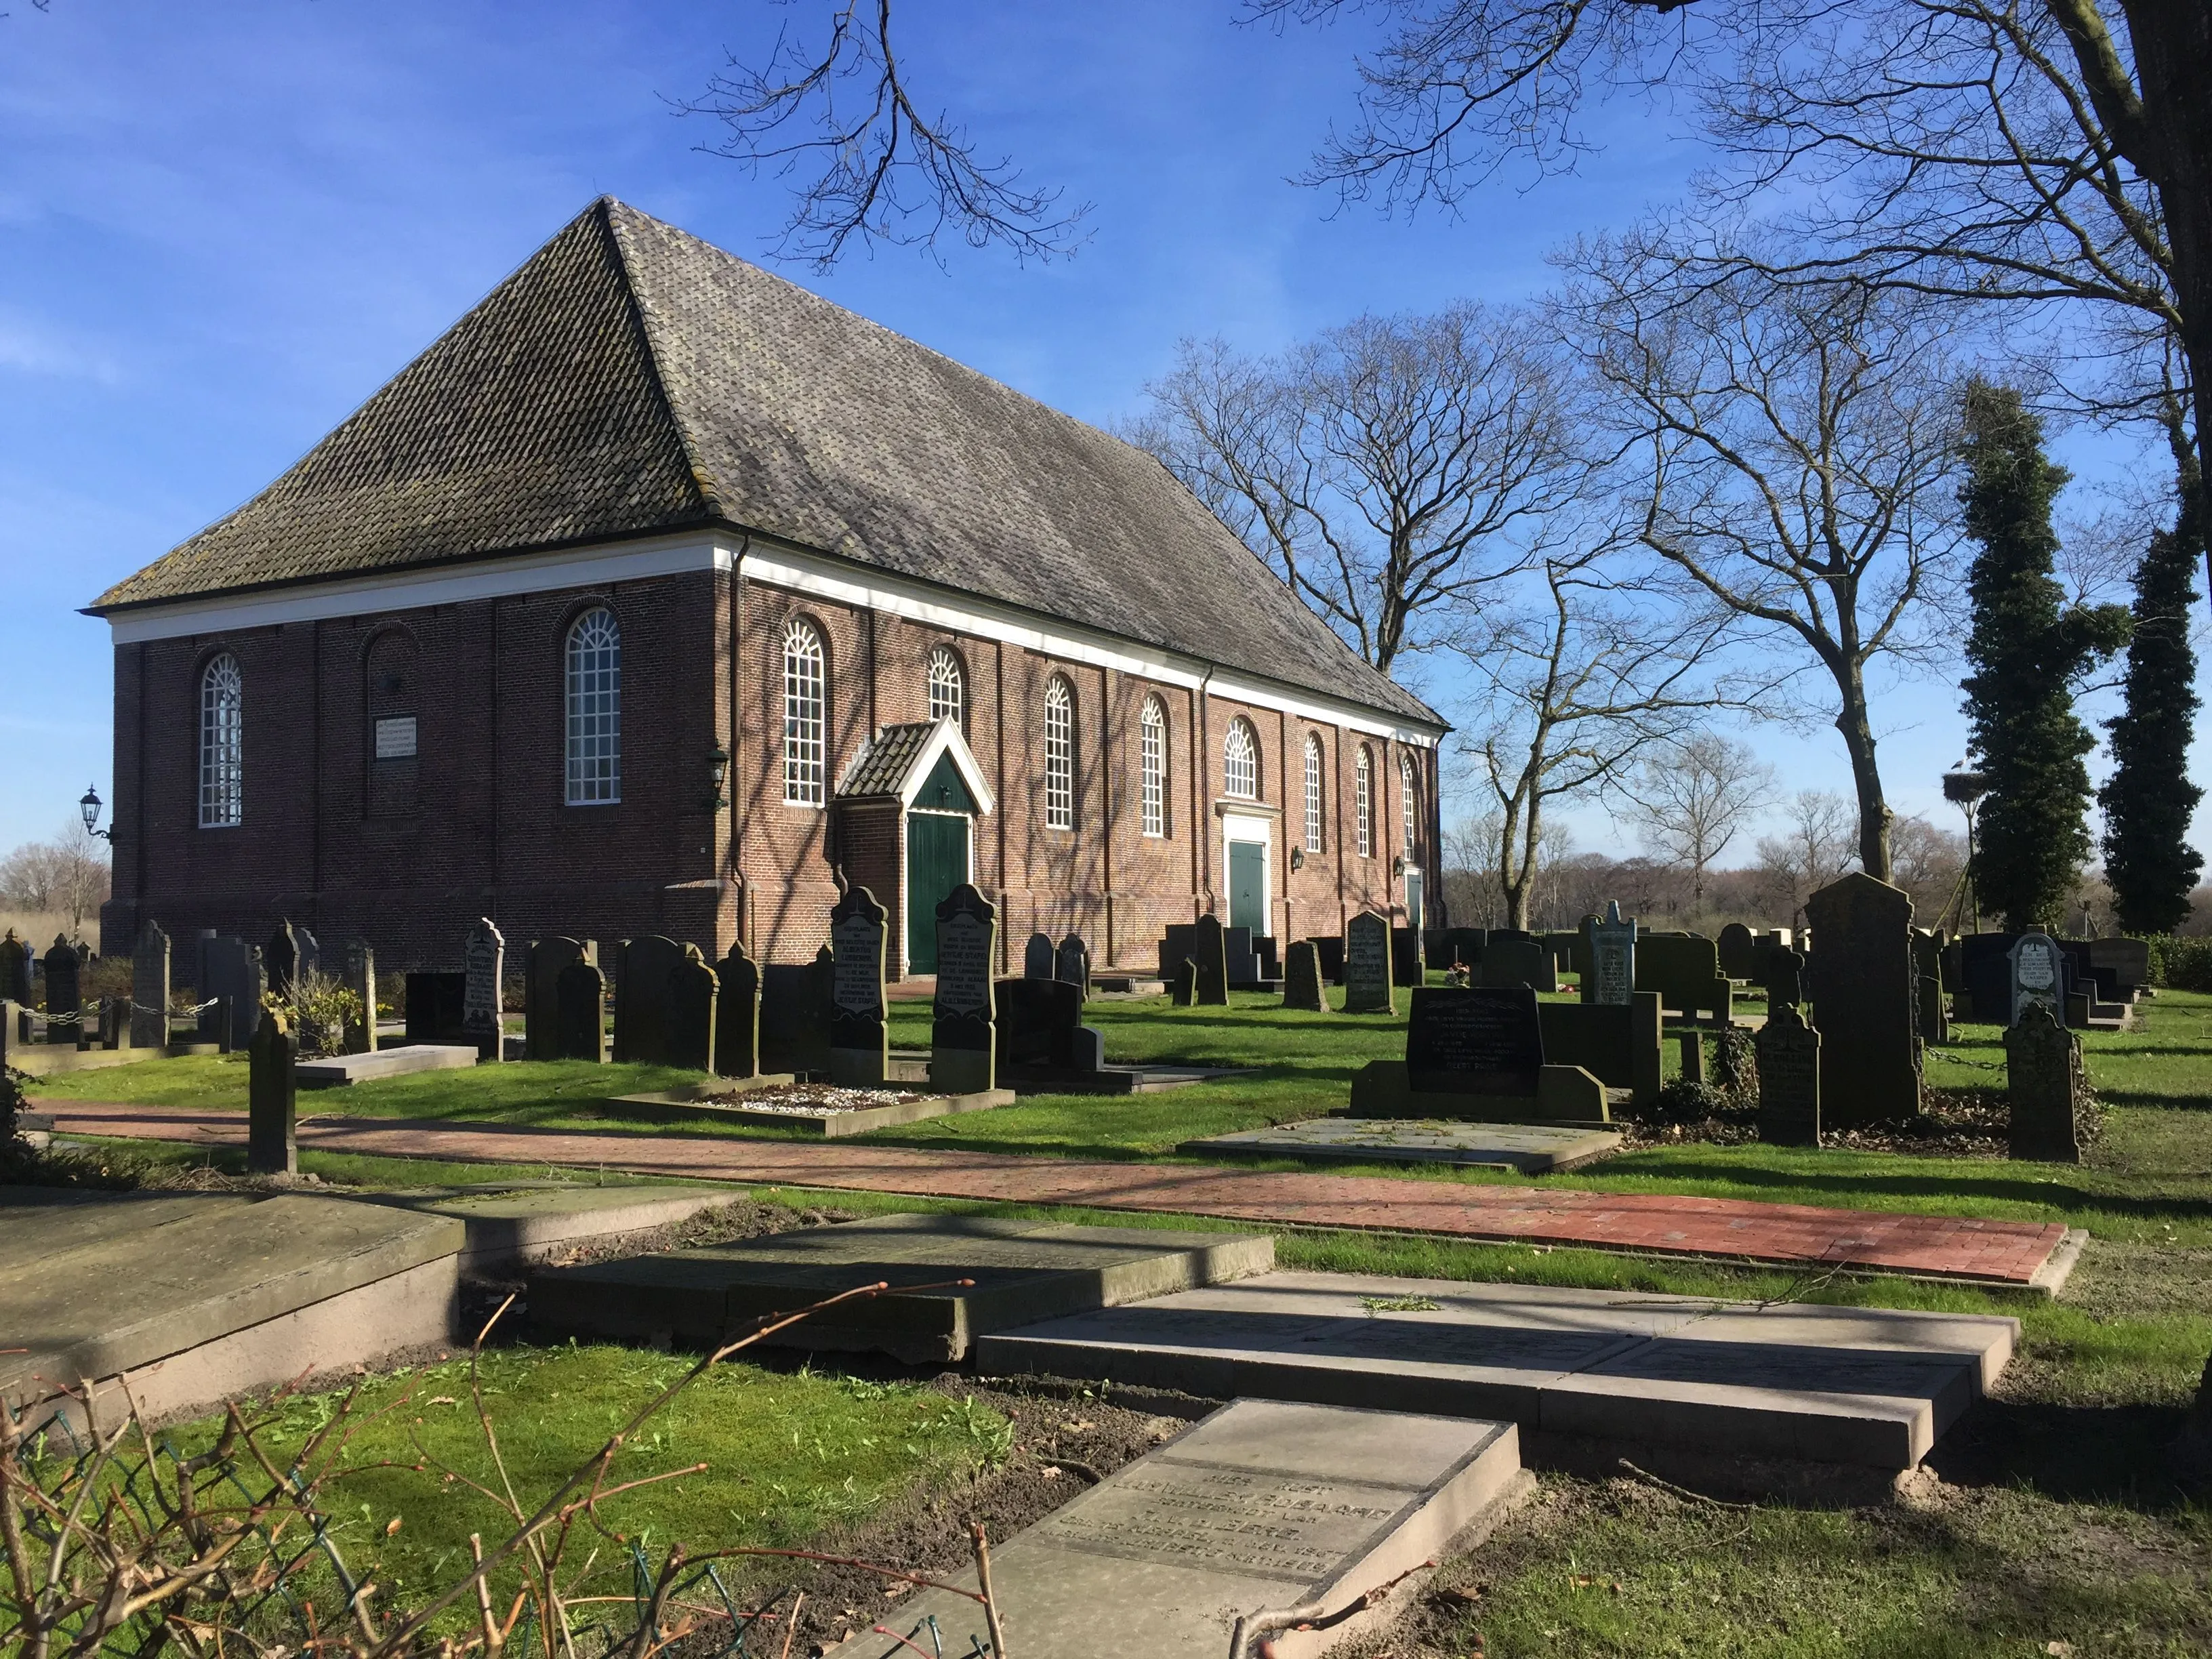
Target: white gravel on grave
(813, 1100)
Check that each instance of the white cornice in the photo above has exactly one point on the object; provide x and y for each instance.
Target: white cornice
(776, 564)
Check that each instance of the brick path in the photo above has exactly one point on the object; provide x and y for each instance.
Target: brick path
(1992, 1252)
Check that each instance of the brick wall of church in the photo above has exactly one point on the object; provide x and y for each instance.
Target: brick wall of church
(407, 855)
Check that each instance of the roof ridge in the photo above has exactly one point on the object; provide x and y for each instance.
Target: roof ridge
(703, 480)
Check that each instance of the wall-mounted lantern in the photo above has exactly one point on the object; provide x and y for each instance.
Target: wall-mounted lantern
(89, 806)
(1297, 858)
(718, 770)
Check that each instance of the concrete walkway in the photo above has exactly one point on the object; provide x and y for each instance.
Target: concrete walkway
(2013, 1253)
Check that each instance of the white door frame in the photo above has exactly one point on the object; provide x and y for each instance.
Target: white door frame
(1251, 826)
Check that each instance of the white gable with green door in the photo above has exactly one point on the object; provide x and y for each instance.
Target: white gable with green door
(927, 769)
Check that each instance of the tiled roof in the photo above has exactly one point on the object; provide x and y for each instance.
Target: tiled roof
(882, 765)
(630, 378)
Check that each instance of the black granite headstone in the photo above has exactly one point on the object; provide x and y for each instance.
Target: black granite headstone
(690, 1026)
(64, 993)
(860, 1044)
(964, 1024)
(1789, 1078)
(272, 1145)
(579, 1013)
(737, 1014)
(1481, 1040)
(434, 1002)
(1037, 1020)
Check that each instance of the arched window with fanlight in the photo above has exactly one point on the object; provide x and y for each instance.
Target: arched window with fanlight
(222, 744)
(1363, 802)
(948, 687)
(1409, 799)
(1240, 755)
(1313, 793)
(806, 715)
(1152, 762)
(1059, 754)
(594, 709)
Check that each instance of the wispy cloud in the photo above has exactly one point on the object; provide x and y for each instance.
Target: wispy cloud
(30, 347)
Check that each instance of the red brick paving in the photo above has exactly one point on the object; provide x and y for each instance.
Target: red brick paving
(2001, 1252)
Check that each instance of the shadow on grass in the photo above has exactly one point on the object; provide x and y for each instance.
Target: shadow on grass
(2116, 1454)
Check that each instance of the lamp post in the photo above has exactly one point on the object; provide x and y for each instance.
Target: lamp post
(88, 807)
(1963, 787)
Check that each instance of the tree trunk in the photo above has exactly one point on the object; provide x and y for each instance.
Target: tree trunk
(1874, 812)
(2172, 45)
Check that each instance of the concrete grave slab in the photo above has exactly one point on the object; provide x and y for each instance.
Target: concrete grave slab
(1858, 1386)
(1024, 1271)
(525, 1224)
(1260, 1506)
(830, 1125)
(1530, 1148)
(343, 1071)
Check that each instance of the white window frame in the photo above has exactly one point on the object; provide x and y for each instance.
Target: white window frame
(1409, 791)
(1315, 799)
(806, 715)
(948, 686)
(222, 744)
(1362, 808)
(1240, 761)
(1152, 767)
(592, 709)
(1059, 754)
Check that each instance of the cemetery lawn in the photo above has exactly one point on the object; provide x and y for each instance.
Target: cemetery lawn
(2148, 1181)
(793, 1459)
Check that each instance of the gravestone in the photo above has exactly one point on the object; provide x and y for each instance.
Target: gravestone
(1619, 1047)
(232, 977)
(1738, 948)
(1785, 971)
(1935, 1026)
(546, 960)
(2036, 978)
(281, 957)
(645, 981)
(483, 962)
(1407, 965)
(15, 971)
(1788, 1079)
(1302, 980)
(579, 1013)
(1038, 1021)
(1610, 982)
(737, 1014)
(1210, 951)
(1692, 1045)
(691, 994)
(1511, 962)
(795, 1016)
(1684, 968)
(1182, 985)
(1072, 962)
(1037, 957)
(1485, 1040)
(1863, 1000)
(361, 980)
(436, 1005)
(1367, 987)
(2127, 959)
(1331, 946)
(64, 993)
(272, 1145)
(859, 1046)
(963, 1034)
(2043, 1082)
(149, 988)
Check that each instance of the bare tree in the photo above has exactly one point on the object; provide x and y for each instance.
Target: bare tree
(2028, 153)
(69, 872)
(1928, 863)
(1814, 848)
(1791, 448)
(1391, 467)
(1571, 689)
(1691, 796)
(871, 164)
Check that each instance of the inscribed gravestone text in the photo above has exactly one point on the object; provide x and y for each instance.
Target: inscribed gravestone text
(484, 963)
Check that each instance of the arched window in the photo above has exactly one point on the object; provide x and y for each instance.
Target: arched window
(1409, 792)
(222, 744)
(1059, 755)
(1363, 802)
(806, 717)
(1313, 793)
(948, 687)
(594, 709)
(1152, 754)
(1240, 754)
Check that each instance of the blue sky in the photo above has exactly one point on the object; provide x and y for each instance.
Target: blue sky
(222, 227)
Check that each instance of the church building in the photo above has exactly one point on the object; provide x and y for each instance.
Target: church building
(661, 596)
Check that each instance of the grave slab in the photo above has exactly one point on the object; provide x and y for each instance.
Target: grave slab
(1863, 1387)
(526, 1224)
(1529, 1148)
(671, 1105)
(1024, 1271)
(344, 1071)
(1261, 1506)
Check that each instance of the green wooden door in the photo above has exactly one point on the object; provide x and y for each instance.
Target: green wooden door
(1415, 906)
(935, 863)
(1248, 885)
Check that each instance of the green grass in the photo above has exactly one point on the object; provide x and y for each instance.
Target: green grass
(790, 1457)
